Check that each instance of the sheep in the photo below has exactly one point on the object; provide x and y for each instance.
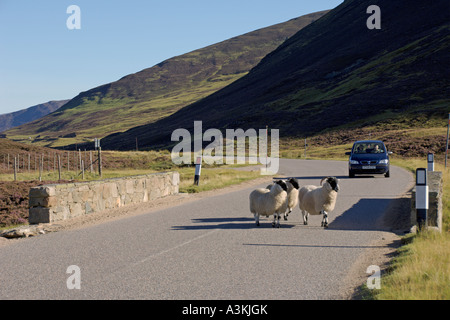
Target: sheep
(292, 196)
(318, 200)
(267, 202)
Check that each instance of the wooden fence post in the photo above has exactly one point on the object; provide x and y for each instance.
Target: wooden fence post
(90, 161)
(15, 169)
(41, 160)
(100, 161)
(59, 167)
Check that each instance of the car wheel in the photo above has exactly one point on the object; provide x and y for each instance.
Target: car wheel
(387, 174)
(351, 174)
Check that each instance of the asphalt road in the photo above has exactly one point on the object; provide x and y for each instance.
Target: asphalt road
(210, 248)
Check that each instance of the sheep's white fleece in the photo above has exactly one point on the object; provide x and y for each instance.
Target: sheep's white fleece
(266, 202)
(292, 196)
(314, 199)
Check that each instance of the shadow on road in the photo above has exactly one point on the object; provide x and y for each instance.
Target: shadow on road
(366, 214)
(228, 223)
(374, 214)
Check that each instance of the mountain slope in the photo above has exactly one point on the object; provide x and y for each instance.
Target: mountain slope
(159, 91)
(333, 73)
(14, 119)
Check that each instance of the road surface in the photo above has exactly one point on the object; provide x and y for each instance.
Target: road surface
(209, 248)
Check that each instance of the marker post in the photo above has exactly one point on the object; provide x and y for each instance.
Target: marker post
(421, 197)
(430, 160)
(198, 170)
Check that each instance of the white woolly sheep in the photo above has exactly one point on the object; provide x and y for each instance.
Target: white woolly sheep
(292, 196)
(318, 200)
(266, 202)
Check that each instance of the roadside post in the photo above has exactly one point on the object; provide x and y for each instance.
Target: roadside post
(421, 197)
(198, 170)
(430, 160)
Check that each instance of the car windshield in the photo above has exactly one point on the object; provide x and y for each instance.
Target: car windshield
(367, 147)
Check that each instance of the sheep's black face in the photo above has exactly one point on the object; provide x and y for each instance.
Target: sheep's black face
(333, 183)
(282, 185)
(294, 182)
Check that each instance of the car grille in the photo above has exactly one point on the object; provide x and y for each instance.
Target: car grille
(369, 162)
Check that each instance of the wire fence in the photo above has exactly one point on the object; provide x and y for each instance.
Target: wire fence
(36, 164)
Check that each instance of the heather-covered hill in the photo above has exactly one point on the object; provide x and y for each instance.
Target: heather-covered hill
(333, 74)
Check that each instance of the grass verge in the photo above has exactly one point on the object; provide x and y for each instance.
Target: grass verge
(421, 270)
(214, 178)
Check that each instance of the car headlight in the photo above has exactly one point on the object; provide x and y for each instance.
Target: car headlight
(354, 162)
(384, 161)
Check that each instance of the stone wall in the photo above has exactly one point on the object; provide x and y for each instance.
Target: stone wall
(50, 203)
(434, 214)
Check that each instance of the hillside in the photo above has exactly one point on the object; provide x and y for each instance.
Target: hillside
(335, 73)
(14, 119)
(159, 91)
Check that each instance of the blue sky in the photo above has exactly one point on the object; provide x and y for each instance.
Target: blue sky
(42, 60)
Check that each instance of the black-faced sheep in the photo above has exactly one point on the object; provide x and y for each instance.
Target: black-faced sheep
(318, 200)
(266, 202)
(292, 195)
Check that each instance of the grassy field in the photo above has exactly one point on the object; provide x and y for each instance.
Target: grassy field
(211, 178)
(214, 178)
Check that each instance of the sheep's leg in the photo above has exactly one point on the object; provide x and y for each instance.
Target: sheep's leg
(276, 220)
(287, 214)
(325, 219)
(257, 219)
(305, 217)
